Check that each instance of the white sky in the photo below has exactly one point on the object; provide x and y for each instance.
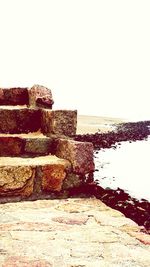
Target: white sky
(94, 55)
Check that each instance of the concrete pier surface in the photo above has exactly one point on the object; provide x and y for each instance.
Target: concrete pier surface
(70, 232)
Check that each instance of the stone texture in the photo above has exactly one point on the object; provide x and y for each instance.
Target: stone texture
(40, 96)
(68, 233)
(80, 154)
(53, 176)
(11, 146)
(16, 180)
(26, 144)
(8, 121)
(19, 120)
(25, 262)
(72, 180)
(14, 96)
(39, 146)
(18, 176)
(142, 237)
(60, 122)
(28, 120)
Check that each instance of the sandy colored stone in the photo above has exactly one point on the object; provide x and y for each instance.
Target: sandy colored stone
(25, 262)
(142, 237)
(43, 232)
(35, 161)
(71, 220)
(80, 154)
(60, 122)
(40, 96)
(16, 180)
(14, 96)
(35, 135)
(19, 120)
(17, 174)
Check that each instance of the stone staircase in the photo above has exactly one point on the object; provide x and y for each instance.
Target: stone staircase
(38, 156)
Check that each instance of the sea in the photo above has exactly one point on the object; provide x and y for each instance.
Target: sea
(126, 167)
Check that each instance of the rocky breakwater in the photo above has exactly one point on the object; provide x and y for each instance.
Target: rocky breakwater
(38, 157)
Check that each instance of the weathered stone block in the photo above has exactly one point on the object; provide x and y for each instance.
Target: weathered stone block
(14, 96)
(28, 120)
(72, 180)
(80, 154)
(40, 146)
(60, 122)
(16, 180)
(53, 175)
(40, 96)
(8, 121)
(15, 120)
(11, 146)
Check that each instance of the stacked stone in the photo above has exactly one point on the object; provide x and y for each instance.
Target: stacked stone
(38, 156)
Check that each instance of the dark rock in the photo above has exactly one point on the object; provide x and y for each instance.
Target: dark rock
(14, 96)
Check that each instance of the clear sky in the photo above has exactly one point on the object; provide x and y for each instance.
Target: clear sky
(94, 55)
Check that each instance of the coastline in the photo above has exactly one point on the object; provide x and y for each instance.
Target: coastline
(82, 230)
(92, 124)
(118, 199)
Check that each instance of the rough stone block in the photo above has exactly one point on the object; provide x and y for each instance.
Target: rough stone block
(72, 180)
(28, 120)
(14, 96)
(80, 154)
(40, 96)
(15, 120)
(11, 146)
(53, 175)
(40, 146)
(60, 122)
(8, 121)
(16, 180)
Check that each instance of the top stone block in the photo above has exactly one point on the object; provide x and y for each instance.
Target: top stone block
(14, 96)
(36, 96)
(40, 96)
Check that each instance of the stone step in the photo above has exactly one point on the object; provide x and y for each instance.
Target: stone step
(24, 177)
(23, 119)
(80, 154)
(60, 122)
(31, 144)
(30, 133)
(36, 96)
(14, 96)
(19, 119)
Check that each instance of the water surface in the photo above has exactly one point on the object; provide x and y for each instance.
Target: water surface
(127, 167)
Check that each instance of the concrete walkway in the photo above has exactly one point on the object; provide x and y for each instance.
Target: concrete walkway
(70, 233)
